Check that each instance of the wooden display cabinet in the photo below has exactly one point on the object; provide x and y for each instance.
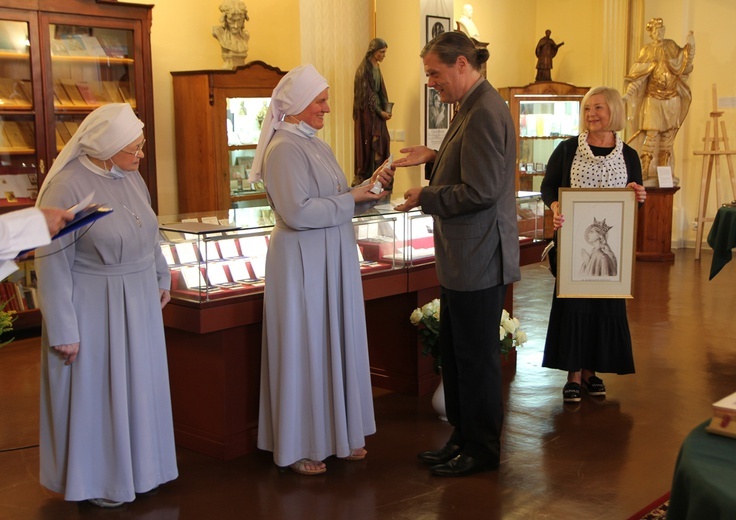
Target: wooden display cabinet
(218, 116)
(59, 60)
(545, 113)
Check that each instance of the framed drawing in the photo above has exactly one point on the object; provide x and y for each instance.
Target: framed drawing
(436, 25)
(437, 118)
(596, 246)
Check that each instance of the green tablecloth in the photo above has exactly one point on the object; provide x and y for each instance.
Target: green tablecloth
(722, 238)
(704, 485)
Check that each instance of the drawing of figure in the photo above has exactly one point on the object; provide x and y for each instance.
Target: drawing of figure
(600, 261)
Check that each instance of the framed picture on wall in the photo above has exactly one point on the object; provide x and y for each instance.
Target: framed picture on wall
(596, 246)
(436, 25)
(437, 118)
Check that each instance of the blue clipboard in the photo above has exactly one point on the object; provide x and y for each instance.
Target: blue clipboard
(87, 216)
(84, 217)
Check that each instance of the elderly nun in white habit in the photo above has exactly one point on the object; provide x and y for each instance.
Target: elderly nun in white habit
(106, 425)
(315, 397)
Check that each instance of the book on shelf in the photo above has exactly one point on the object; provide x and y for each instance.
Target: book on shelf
(114, 47)
(6, 91)
(58, 48)
(75, 46)
(126, 93)
(60, 142)
(70, 86)
(61, 94)
(71, 127)
(18, 135)
(113, 92)
(724, 417)
(63, 132)
(86, 92)
(26, 87)
(91, 45)
(4, 141)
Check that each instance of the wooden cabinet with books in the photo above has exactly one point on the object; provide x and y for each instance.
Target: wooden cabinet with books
(59, 60)
(218, 116)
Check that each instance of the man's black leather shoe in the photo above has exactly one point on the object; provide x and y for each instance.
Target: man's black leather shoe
(448, 452)
(461, 466)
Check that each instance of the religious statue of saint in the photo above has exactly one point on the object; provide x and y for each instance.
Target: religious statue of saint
(659, 97)
(466, 24)
(231, 33)
(371, 110)
(545, 51)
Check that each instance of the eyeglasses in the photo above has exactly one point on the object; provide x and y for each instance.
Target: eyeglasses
(138, 149)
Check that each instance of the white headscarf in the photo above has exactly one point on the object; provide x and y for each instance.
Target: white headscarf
(103, 133)
(293, 94)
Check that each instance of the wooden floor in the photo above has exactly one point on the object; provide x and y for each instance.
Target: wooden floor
(602, 459)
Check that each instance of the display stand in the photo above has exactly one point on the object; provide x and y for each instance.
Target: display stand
(711, 156)
(654, 226)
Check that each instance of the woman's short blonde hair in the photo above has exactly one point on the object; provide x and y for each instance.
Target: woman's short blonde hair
(615, 105)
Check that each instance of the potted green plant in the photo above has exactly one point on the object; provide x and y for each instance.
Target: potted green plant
(6, 322)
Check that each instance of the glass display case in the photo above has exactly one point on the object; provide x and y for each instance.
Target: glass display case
(223, 254)
(530, 216)
(218, 116)
(545, 114)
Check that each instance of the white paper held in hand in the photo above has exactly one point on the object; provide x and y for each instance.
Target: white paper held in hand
(377, 186)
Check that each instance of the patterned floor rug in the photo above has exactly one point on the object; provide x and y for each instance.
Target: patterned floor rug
(657, 510)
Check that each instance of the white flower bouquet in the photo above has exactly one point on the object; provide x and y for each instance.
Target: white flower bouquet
(427, 320)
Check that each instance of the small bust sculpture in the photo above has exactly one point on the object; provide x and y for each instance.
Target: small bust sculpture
(466, 24)
(231, 33)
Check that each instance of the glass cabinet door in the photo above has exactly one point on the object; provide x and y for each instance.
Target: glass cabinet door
(245, 117)
(18, 143)
(90, 67)
(543, 124)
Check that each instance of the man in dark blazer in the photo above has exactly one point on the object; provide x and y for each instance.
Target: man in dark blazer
(471, 197)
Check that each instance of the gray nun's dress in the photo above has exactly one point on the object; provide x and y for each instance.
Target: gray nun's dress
(106, 424)
(315, 378)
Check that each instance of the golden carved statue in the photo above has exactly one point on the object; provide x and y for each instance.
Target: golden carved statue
(659, 97)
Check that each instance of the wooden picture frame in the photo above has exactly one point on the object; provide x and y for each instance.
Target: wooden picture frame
(596, 246)
(436, 25)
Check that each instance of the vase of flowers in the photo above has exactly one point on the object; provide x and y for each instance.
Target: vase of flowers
(427, 320)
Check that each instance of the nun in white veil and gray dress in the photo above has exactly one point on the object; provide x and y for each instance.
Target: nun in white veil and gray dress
(315, 398)
(106, 426)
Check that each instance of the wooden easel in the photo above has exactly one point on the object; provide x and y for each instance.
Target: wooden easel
(711, 154)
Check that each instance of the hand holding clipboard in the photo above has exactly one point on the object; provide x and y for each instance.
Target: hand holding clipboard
(84, 214)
